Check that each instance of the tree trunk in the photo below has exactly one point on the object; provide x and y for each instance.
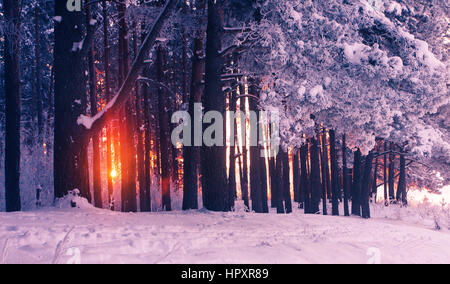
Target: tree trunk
(385, 182)
(214, 171)
(12, 85)
(148, 144)
(95, 139)
(326, 165)
(345, 176)
(334, 174)
(325, 175)
(284, 157)
(139, 137)
(191, 154)
(401, 188)
(244, 182)
(304, 177)
(277, 183)
(373, 194)
(40, 119)
(164, 130)
(106, 53)
(315, 177)
(232, 156)
(356, 187)
(365, 186)
(296, 177)
(255, 168)
(127, 150)
(391, 174)
(69, 145)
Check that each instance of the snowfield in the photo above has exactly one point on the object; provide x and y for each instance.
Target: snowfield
(88, 235)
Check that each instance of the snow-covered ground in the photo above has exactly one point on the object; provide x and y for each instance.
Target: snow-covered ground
(88, 235)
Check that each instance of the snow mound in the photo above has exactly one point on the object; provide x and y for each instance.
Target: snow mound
(73, 200)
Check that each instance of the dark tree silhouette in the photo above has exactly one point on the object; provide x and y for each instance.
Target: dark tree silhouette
(11, 51)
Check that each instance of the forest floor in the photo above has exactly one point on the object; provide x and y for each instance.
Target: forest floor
(88, 235)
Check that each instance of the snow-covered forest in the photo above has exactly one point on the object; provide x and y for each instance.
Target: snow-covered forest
(352, 95)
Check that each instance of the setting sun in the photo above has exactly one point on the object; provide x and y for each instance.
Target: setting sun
(113, 173)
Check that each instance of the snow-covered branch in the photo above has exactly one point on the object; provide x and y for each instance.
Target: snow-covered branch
(94, 124)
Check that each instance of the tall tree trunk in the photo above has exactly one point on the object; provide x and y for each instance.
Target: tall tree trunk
(69, 152)
(184, 55)
(40, 119)
(345, 176)
(106, 54)
(191, 154)
(365, 186)
(244, 183)
(127, 147)
(391, 174)
(277, 183)
(284, 157)
(140, 136)
(356, 187)
(147, 144)
(334, 174)
(304, 177)
(232, 156)
(315, 177)
(95, 139)
(375, 177)
(325, 175)
(11, 49)
(214, 172)
(385, 181)
(401, 188)
(326, 165)
(255, 168)
(297, 174)
(164, 130)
